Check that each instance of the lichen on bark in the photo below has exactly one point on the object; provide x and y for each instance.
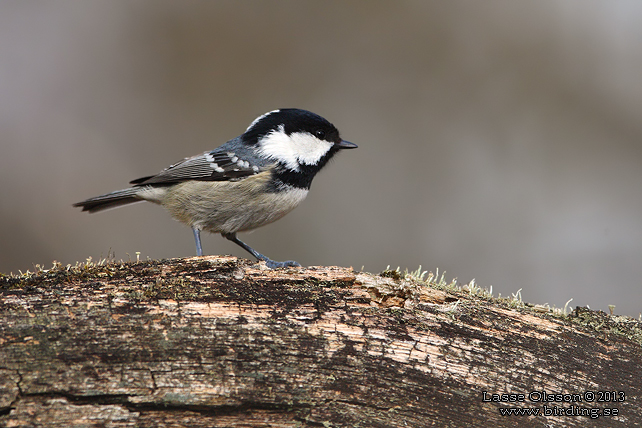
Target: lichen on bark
(218, 341)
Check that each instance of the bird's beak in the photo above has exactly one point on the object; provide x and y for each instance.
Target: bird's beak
(345, 145)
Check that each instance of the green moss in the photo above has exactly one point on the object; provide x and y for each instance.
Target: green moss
(601, 322)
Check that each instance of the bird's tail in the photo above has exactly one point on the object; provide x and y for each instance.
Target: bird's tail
(110, 200)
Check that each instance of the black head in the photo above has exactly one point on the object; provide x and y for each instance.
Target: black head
(300, 141)
(292, 120)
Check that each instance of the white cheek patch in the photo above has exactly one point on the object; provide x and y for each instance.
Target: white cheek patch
(310, 148)
(294, 149)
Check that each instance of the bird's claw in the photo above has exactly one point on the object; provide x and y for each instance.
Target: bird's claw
(275, 265)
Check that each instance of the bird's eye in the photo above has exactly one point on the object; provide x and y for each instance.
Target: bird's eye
(320, 133)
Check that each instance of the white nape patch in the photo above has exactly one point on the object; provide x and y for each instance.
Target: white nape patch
(258, 119)
(294, 149)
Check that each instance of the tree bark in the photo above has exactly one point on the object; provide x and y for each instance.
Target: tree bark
(223, 342)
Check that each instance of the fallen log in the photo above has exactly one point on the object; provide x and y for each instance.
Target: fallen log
(220, 341)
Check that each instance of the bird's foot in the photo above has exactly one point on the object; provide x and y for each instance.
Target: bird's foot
(275, 265)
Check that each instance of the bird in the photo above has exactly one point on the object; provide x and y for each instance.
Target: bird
(248, 182)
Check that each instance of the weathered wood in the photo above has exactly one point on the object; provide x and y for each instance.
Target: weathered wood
(216, 341)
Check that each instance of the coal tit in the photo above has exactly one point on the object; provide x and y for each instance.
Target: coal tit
(252, 180)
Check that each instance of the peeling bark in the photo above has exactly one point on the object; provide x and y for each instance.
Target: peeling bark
(216, 341)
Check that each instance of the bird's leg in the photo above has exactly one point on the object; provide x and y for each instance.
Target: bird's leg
(197, 238)
(269, 262)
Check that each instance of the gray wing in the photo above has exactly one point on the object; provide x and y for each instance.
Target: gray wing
(222, 164)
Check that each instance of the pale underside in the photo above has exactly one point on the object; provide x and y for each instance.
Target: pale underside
(222, 207)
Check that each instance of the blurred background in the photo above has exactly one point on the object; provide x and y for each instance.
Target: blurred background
(498, 140)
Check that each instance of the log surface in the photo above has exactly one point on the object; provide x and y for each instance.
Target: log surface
(223, 342)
